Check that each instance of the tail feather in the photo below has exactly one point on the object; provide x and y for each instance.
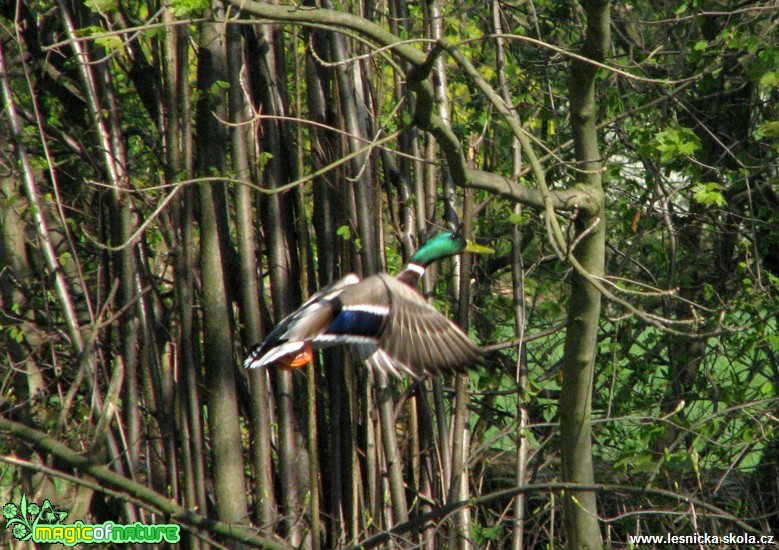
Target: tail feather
(257, 359)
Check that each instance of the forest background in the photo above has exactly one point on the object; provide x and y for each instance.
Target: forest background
(176, 178)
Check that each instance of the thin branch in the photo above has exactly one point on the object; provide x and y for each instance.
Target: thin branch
(127, 488)
(578, 57)
(446, 510)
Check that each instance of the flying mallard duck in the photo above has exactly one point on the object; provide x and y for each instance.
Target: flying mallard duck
(384, 319)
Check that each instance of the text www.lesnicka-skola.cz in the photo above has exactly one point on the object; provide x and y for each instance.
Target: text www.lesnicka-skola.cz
(703, 539)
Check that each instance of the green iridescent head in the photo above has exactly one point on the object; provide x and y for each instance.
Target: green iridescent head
(446, 244)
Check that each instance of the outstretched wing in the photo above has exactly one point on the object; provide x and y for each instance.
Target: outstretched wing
(416, 339)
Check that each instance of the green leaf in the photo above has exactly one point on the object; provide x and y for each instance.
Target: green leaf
(102, 6)
(676, 142)
(695, 459)
(522, 218)
(263, 159)
(344, 232)
(770, 79)
(768, 129)
(16, 334)
(217, 86)
(708, 194)
(184, 8)
(109, 43)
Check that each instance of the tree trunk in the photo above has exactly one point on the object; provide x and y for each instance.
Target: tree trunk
(284, 268)
(581, 514)
(249, 291)
(223, 414)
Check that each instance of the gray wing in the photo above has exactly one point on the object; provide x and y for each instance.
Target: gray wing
(416, 339)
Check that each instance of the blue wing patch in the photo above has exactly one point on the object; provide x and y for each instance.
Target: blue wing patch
(357, 322)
